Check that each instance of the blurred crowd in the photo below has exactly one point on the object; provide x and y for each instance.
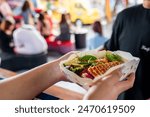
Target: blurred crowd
(31, 30)
(24, 33)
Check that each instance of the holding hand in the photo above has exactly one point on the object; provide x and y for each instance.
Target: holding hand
(56, 68)
(109, 87)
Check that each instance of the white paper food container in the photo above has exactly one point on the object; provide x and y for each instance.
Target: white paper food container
(130, 66)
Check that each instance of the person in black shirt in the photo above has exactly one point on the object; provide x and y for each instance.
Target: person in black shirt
(131, 33)
(7, 27)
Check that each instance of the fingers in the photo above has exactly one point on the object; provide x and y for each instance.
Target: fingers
(125, 85)
(115, 76)
(97, 81)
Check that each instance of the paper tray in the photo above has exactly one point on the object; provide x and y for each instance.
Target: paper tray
(130, 65)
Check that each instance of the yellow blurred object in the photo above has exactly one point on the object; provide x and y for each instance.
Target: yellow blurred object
(78, 10)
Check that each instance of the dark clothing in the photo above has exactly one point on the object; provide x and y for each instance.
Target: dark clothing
(5, 41)
(131, 33)
(64, 32)
(1, 17)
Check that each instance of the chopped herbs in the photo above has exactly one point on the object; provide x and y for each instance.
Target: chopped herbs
(113, 57)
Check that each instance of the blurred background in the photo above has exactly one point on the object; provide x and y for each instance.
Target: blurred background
(64, 25)
(84, 12)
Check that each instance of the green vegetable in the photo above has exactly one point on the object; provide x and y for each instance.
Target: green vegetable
(76, 65)
(83, 63)
(87, 58)
(75, 61)
(113, 57)
(76, 69)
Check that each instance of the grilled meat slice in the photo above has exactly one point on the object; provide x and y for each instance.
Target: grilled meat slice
(102, 68)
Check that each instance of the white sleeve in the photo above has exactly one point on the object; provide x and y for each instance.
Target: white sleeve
(22, 50)
(19, 47)
(17, 41)
(40, 41)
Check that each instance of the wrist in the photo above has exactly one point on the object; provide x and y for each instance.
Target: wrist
(55, 72)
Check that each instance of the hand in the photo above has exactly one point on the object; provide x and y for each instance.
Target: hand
(109, 87)
(60, 74)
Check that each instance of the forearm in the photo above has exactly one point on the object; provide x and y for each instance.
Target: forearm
(30, 83)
